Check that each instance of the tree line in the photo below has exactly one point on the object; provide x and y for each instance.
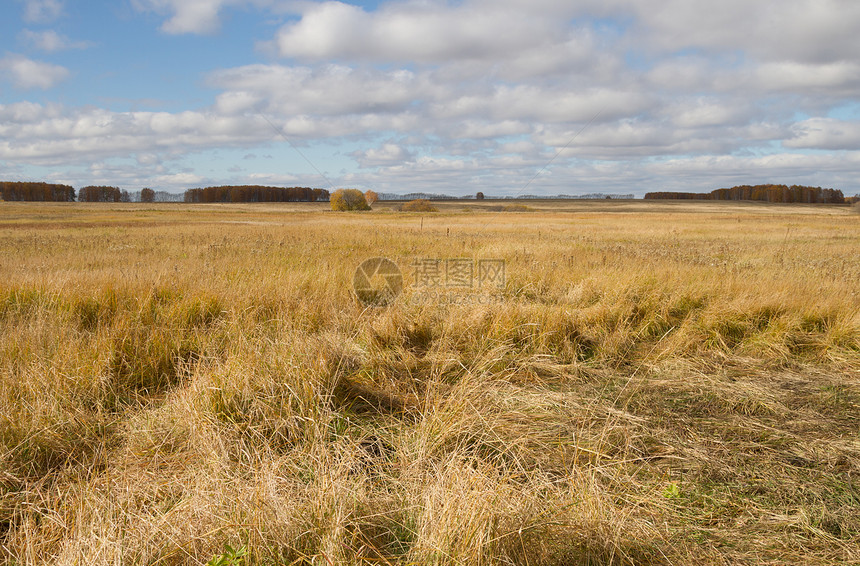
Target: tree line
(50, 192)
(40, 192)
(97, 193)
(255, 193)
(764, 193)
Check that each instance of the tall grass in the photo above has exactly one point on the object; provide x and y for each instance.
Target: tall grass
(667, 385)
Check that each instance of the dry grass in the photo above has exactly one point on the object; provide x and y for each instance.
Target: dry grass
(656, 384)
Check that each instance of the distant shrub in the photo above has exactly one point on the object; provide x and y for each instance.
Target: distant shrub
(856, 207)
(348, 199)
(516, 208)
(418, 205)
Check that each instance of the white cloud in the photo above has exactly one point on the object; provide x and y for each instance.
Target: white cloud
(51, 41)
(402, 100)
(825, 133)
(810, 31)
(197, 16)
(27, 74)
(325, 90)
(709, 111)
(474, 129)
(42, 11)
(186, 16)
(789, 168)
(388, 153)
(792, 76)
(51, 134)
(184, 180)
(415, 32)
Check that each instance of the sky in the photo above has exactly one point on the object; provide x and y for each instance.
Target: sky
(507, 97)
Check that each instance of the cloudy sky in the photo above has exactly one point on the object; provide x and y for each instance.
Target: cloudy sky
(503, 96)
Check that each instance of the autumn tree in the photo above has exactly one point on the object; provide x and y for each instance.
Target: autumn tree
(100, 194)
(254, 193)
(32, 191)
(348, 199)
(766, 193)
(371, 197)
(147, 195)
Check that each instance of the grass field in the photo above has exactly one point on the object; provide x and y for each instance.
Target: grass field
(655, 383)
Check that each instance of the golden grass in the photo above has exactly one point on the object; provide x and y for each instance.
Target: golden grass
(661, 383)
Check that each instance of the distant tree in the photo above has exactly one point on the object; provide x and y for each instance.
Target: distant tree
(254, 193)
(371, 197)
(100, 194)
(479, 196)
(766, 193)
(147, 195)
(348, 199)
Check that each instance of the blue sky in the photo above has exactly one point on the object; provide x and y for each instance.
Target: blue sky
(617, 96)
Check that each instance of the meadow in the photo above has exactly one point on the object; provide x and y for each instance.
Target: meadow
(654, 383)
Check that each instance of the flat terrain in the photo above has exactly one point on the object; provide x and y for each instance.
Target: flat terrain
(650, 383)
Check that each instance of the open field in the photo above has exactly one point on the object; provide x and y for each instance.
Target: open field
(655, 383)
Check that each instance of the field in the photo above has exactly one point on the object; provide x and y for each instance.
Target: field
(651, 383)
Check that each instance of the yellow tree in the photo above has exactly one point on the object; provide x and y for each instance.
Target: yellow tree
(348, 199)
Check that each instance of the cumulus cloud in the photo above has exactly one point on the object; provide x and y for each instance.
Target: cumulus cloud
(841, 77)
(187, 16)
(27, 74)
(421, 32)
(326, 90)
(51, 41)
(42, 11)
(808, 31)
(53, 134)
(825, 133)
(199, 16)
(386, 154)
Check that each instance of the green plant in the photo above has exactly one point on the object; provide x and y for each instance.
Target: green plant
(230, 557)
(672, 491)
